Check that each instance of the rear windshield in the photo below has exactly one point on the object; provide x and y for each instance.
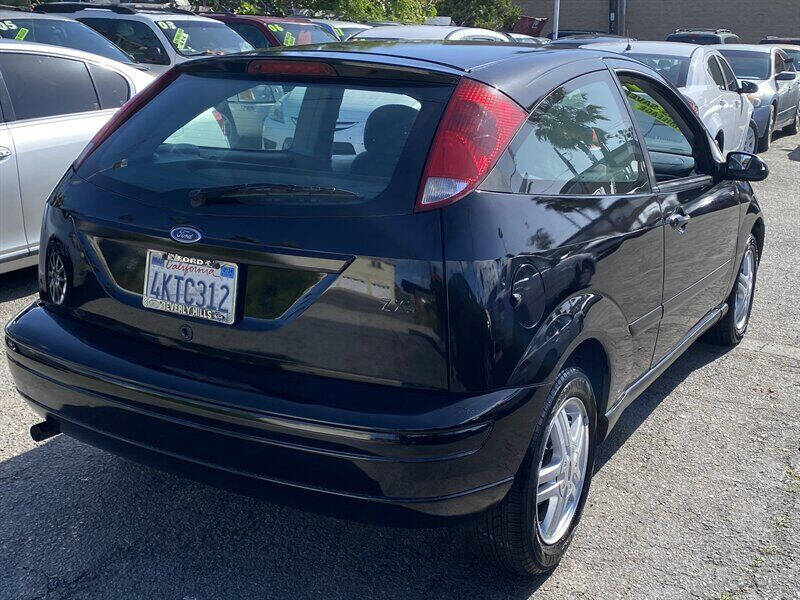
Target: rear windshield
(68, 34)
(196, 38)
(298, 34)
(234, 145)
(748, 64)
(673, 68)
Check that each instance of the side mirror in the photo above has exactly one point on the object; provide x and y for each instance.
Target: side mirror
(743, 166)
(785, 76)
(747, 87)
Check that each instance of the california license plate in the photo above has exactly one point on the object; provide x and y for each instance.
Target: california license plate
(193, 287)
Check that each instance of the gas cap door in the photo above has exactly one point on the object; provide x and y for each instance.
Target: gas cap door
(527, 296)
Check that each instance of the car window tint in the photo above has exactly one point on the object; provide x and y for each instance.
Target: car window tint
(667, 137)
(251, 34)
(730, 79)
(715, 72)
(674, 69)
(780, 66)
(112, 88)
(579, 141)
(134, 37)
(44, 86)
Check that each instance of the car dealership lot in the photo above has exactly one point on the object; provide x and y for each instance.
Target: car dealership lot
(697, 492)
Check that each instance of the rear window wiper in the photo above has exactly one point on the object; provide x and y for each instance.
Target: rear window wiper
(203, 196)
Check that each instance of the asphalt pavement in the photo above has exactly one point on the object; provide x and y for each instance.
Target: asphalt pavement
(697, 492)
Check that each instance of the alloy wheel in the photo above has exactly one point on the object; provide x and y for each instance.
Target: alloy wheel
(744, 289)
(56, 278)
(562, 471)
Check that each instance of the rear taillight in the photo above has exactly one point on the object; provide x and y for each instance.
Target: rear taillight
(477, 126)
(126, 111)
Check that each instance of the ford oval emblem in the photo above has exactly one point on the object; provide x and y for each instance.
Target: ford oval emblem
(186, 235)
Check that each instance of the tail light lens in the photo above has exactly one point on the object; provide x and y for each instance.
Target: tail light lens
(477, 126)
(125, 112)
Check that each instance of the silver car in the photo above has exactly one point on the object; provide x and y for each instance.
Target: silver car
(431, 32)
(58, 98)
(777, 101)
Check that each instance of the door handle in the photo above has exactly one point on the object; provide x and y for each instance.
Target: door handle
(678, 221)
(4, 153)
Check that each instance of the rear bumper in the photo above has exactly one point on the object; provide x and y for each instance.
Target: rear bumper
(352, 449)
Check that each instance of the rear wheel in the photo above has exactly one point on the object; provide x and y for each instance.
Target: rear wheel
(530, 530)
(793, 127)
(730, 330)
(766, 140)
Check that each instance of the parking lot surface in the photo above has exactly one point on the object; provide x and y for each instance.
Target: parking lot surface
(697, 491)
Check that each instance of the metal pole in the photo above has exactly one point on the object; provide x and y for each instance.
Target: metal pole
(556, 11)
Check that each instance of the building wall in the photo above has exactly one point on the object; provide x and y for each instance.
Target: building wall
(654, 19)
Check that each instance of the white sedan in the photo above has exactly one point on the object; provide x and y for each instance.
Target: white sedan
(58, 98)
(707, 81)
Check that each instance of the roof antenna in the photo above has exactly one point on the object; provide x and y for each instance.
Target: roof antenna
(628, 48)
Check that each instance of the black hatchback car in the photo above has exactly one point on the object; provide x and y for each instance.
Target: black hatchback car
(428, 289)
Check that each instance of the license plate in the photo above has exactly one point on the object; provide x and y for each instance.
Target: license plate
(193, 287)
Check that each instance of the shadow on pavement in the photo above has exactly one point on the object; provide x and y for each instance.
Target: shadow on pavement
(795, 154)
(698, 356)
(18, 284)
(80, 523)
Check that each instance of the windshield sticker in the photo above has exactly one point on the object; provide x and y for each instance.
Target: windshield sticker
(180, 39)
(288, 39)
(274, 27)
(338, 31)
(7, 25)
(166, 24)
(304, 37)
(653, 109)
(21, 34)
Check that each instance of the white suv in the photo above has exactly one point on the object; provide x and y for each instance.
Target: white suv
(53, 101)
(156, 36)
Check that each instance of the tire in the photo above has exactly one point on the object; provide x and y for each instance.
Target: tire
(751, 141)
(793, 127)
(509, 534)
(730, 330)
(766, 140)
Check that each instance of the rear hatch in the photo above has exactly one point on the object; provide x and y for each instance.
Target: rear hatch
(268, 217)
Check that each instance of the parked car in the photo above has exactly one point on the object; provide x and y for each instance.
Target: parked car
(777, 101)
(443, 325)
(431, 32)
(579, 41)
(780, 41)
(706, 79)
(57, 31)
(157, 36)
(56, 101)
(264, 32)
(792, 50)
(704, 36)
(572, 32)
(344, 30)
(523, 38)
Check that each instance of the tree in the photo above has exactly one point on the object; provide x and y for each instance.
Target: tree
(402, 11)
(491, 14)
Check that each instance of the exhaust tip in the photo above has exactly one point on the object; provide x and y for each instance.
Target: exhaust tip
(45, 430)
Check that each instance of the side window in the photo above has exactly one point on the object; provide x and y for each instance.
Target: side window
(112, 88)
(45, 86)
(134, 37)
(777, 60)
(251, 34)
(578, 141)
(668, 138)
(715, 72)
(730, 78)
